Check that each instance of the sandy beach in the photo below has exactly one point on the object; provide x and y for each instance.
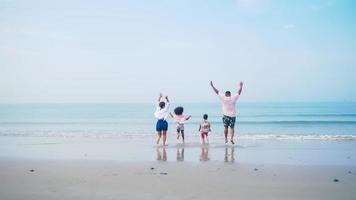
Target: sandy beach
(177, 100)
(65, 179)
(79, 156)
(134, 168)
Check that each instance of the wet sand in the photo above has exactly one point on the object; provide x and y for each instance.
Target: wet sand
(39, 179)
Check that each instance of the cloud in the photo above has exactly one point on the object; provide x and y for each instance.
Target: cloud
(289, 26)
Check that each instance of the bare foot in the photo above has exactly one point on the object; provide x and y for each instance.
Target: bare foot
(232, 142)
(225, 141)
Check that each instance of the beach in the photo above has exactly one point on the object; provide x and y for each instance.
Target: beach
(282, 151)
(135, 168)
(60, 179)
(174, 100)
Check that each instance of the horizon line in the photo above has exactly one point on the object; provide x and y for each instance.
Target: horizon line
(191, 102)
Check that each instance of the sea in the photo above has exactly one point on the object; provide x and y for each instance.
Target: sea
(267, 133)
(289, 121)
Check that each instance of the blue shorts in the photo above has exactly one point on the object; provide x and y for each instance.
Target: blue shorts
(161, 125)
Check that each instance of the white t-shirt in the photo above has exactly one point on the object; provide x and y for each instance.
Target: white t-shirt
(229, 104)
(205, 126)
(162, 113)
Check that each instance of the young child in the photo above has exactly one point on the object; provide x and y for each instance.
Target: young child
(204, 129)
(180, 119)
(162, 112)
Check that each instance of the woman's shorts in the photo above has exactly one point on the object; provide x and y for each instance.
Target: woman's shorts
(229, 121)
(161, 125)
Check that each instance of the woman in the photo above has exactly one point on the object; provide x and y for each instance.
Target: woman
(162, 112)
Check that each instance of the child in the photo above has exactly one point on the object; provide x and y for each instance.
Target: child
(161, 114)
(204, 129)
(180, 119)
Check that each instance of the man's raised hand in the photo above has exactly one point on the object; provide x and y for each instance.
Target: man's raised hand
(214, 88)
(240, 90)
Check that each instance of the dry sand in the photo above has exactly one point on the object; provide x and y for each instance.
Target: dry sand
(101, 180)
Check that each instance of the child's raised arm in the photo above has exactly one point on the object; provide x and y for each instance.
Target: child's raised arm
(159, 97)
(187, 118)
(171, 115)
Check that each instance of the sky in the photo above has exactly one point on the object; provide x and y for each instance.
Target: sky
(72, 51)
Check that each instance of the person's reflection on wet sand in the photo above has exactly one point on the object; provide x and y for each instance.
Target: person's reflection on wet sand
(229, 158)
(204, 156)
(161, 155)
(180, 154)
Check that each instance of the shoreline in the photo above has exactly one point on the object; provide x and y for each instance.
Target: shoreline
(295, 137)
(308, 152)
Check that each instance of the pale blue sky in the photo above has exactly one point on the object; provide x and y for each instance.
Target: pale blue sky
(127, 51)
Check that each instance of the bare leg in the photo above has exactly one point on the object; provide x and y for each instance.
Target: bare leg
(232, 131)
(178, 134)
(182, 133)
(225, 133)
(158, 138)
(164, 138)
(207, 139)
(202, 137)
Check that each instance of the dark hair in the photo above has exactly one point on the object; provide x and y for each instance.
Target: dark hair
(162, 104)
(205, 116)
(178, 110)
(227, 93)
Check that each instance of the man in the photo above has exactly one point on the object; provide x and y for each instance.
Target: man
(229, 110)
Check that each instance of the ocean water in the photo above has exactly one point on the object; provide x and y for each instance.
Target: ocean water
(268, 133)
(306, 121)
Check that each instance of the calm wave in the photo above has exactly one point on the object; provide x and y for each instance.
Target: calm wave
(255, 120)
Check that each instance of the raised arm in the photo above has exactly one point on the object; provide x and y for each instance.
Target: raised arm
(214, 88)
(167, 99)
(159, 97)
(187, 118)
(241, 85)
(171, 115)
